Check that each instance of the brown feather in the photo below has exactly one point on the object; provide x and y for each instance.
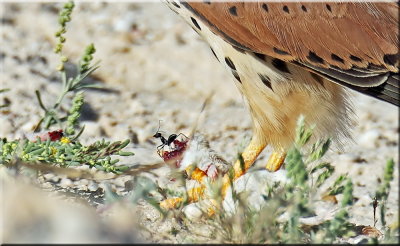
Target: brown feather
(340, 34)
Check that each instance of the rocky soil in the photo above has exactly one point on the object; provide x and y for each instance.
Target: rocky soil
(155, 68)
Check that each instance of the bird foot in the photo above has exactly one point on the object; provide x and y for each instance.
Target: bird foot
(240, 167)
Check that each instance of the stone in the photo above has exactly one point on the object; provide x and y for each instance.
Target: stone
(369, 139)
(65, 182)
(92, 186)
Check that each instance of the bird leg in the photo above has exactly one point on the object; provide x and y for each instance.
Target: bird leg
(248, 157)
(276, 160)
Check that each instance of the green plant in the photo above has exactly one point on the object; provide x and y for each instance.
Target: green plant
(65, 153)
(382, 195)
(61, 147)
(300, 168)
(70, 85)
(339, 226)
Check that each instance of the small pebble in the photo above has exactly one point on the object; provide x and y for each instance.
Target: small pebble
(102, 185)
(192, 212)
(55, 179)
(369, 139)
(124, 24)
(83, 167)
(48, 176)
(65, 183)
(83, 187)
(29, 126)
(358, 240)
(136, 107)
(129, 185)
(92, 186)
(83, 182)
(6, 127)
(47, 185)
(120, 132)
(91, 129)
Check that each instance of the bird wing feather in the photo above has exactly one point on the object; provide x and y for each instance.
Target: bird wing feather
(355, 44)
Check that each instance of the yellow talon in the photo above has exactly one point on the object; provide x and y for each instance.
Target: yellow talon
(249, 156)
(275, 161)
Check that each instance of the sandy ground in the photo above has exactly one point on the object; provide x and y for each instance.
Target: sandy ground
(157, 68)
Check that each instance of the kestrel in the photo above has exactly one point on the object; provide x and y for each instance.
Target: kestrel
(297, 58)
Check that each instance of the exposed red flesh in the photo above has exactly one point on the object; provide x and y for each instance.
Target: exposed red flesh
(56, 135)
(174, 157)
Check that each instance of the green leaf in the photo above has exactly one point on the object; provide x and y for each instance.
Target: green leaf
(337, 188)
(347, 194)
(123, 153)
(124, 144)
(323, 177)
(37, 151)
(319, 150)
(323, 165)
(122, 168)
(296, 169)
(74, 163)
(303, 134)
